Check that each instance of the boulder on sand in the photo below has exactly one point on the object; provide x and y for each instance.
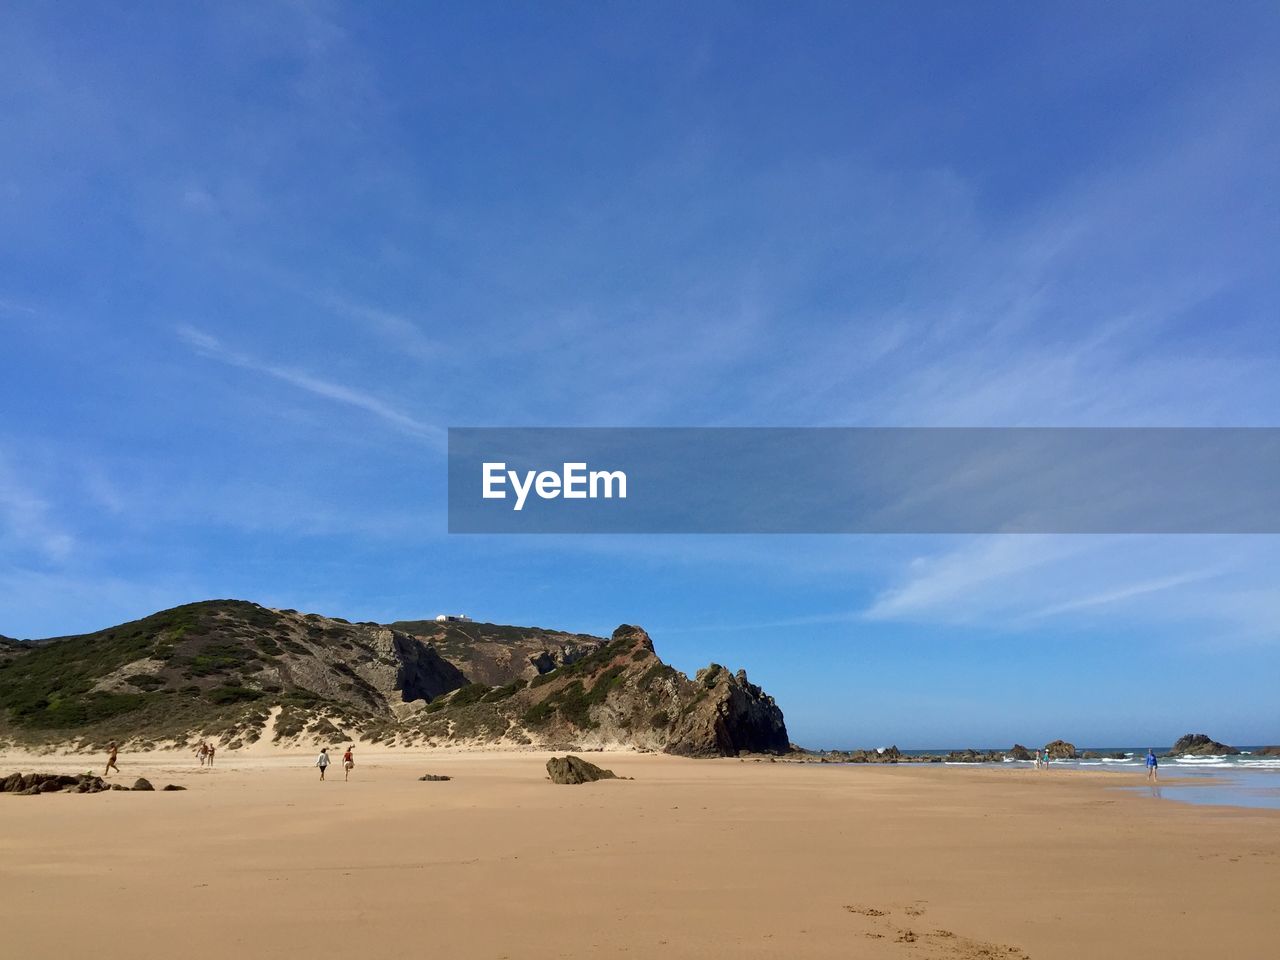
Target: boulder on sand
(573, 769)
(1061, 750)
(142, 784)
(435, 777)
(1019, 752)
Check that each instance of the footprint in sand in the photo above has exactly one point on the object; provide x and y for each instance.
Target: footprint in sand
(866, 911)
(936, 945)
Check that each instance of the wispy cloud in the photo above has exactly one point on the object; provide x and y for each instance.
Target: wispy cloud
(946, 585)
(12, 309)
(209, 346)
(1127, 592)
(26, 520)
(1211, 590)
(401, 332)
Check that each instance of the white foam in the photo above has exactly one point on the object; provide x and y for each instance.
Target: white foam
(1207, 764)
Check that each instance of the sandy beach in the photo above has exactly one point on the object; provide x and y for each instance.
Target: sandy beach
(690, 859)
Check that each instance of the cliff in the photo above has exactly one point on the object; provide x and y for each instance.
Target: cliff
(218, 668)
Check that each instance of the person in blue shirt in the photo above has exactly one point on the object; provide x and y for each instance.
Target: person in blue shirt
(1153, 765)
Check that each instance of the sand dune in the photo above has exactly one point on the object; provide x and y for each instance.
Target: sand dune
(691, 859)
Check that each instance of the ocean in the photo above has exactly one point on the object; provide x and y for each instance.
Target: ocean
(1244, 780)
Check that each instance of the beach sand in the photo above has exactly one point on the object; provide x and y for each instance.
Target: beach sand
(711, 858)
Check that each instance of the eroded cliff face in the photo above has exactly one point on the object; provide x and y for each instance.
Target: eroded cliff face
(423, 674)
(220, 667)
(736, 716)
(622, 694)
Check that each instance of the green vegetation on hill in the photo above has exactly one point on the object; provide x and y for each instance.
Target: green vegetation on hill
(193, 659)
(217, 667)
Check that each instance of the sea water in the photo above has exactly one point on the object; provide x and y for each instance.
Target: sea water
(1242, 780)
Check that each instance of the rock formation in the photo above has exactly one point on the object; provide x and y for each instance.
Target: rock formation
(216, 669)
(30, 784)
(1199, 745)
(574, 770)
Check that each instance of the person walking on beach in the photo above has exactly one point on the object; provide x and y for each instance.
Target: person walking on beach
(203, 753)
(1046, 758)
(322, 761)
(112, 752)
(348, 761)
(1153, 765)
(209, 747)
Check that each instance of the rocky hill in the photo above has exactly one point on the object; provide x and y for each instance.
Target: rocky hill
(224, 668)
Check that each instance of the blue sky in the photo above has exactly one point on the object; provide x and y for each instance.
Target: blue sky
(256, 258)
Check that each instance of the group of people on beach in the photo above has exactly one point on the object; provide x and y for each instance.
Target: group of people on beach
(206, 751)
(1153, 764)
(348, 761)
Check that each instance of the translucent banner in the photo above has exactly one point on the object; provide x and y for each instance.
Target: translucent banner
(864, 480)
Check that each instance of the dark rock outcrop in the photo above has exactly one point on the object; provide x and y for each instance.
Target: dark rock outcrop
(30, 784)
(173, 786)
(879, 755)
(1266, 752)
(973, 756)
(1061, 750)
(574, 770)
(142, 783)
(1199, 745)
(619, 694)
(423, 673)
(435, 777)
(1019, 752)
(732, 716)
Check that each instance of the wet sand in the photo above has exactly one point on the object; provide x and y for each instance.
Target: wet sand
(691, 859)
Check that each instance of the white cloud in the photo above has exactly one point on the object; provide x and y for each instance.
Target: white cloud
(1126, 592)
(1215, 589)
(209, 346)
(400, 331)
(957, 584)
(26, 520)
